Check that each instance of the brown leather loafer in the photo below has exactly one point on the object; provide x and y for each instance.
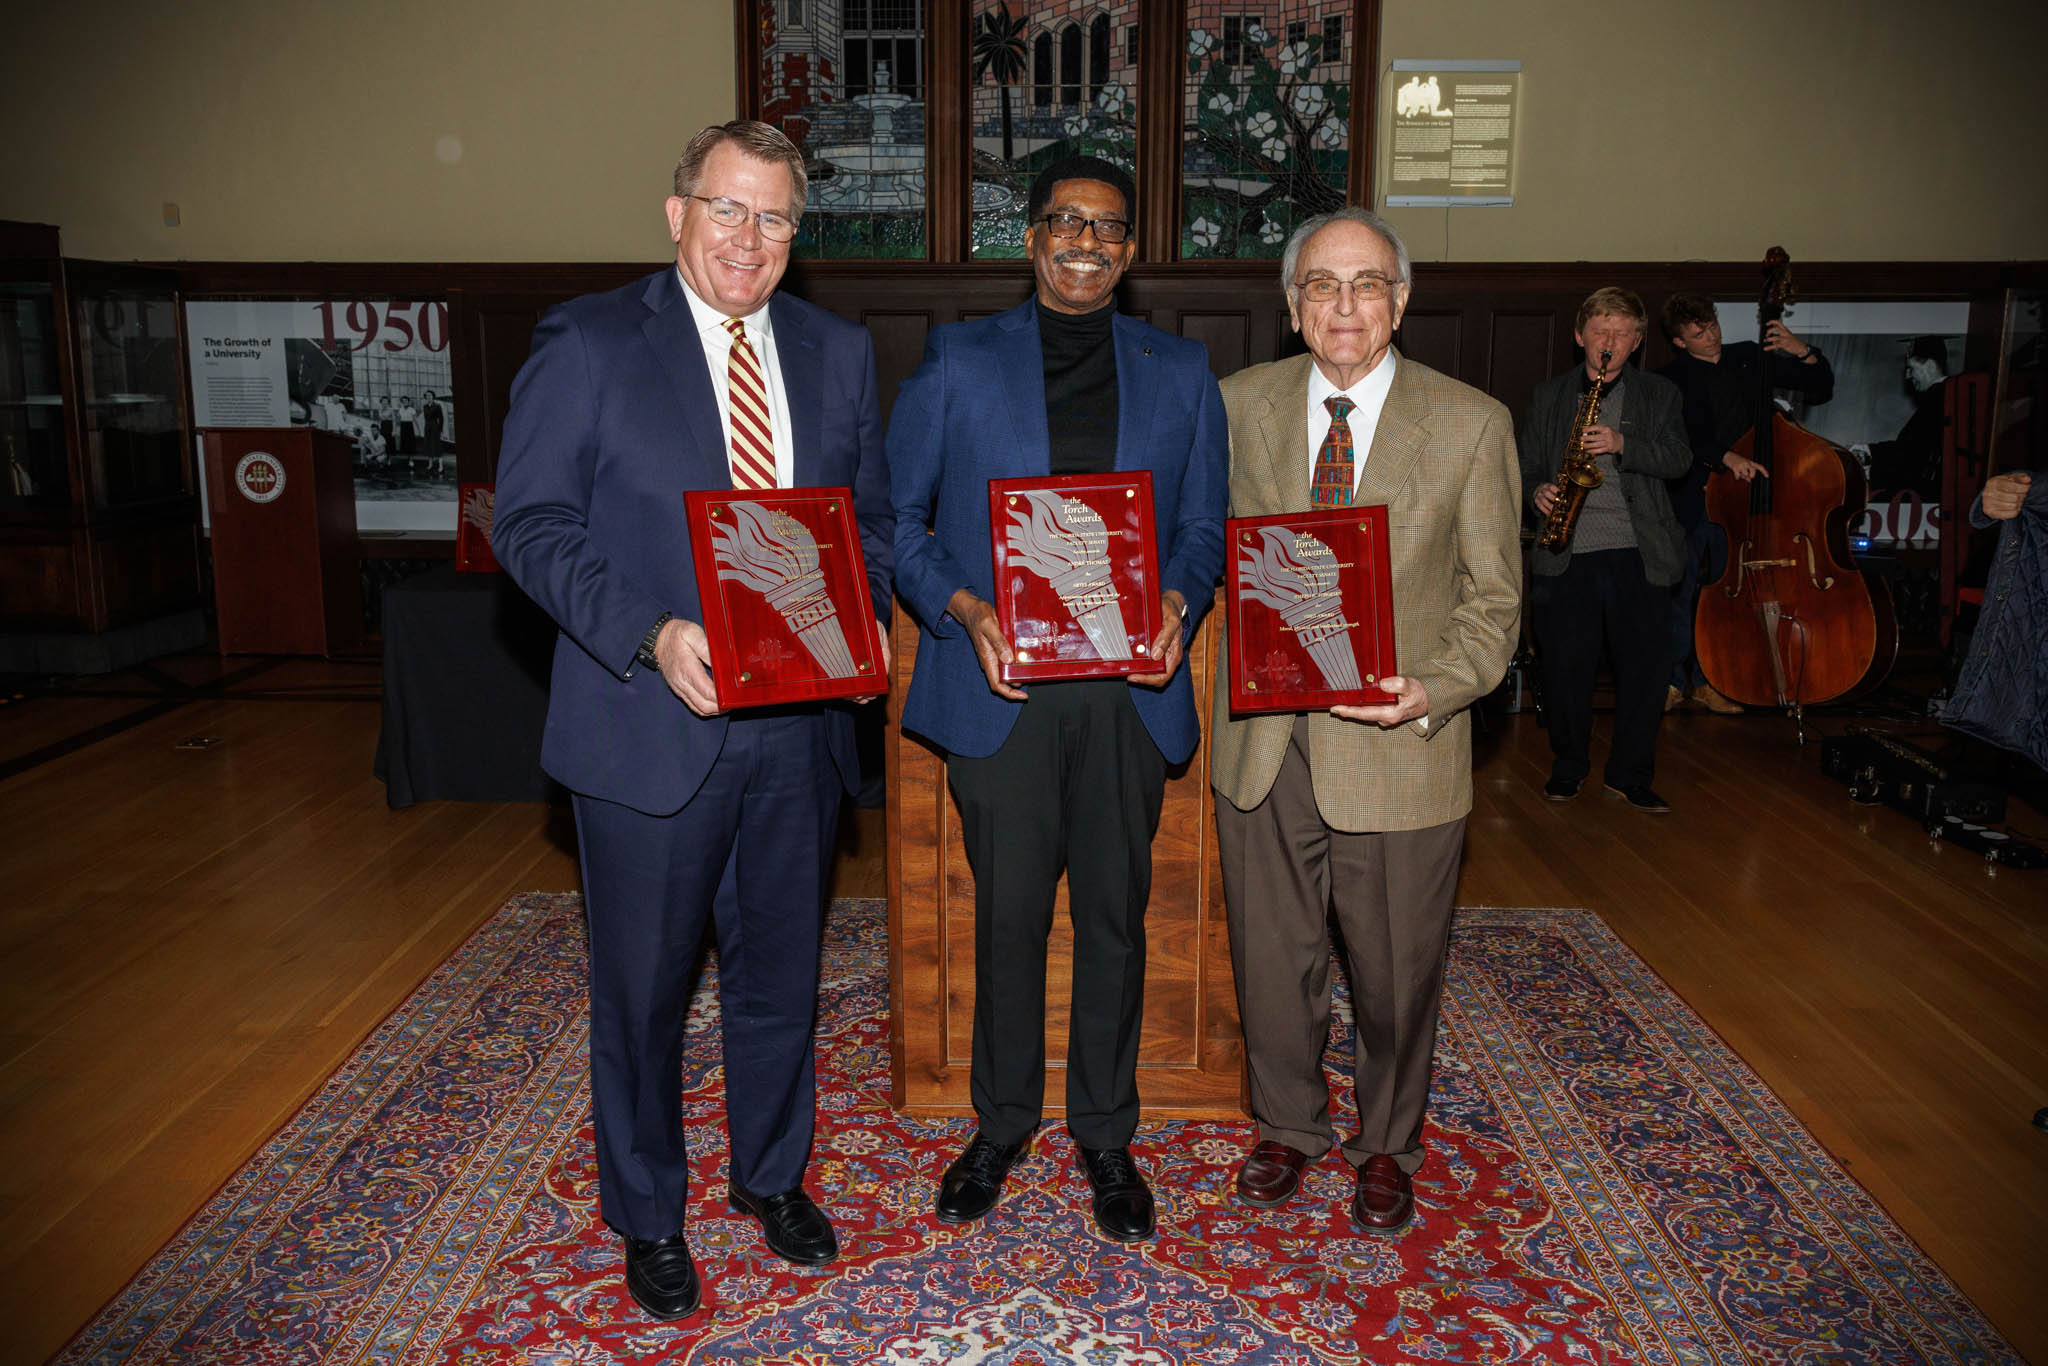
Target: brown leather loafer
(1385, 1202)
(1710, 697)
(1269, 1174)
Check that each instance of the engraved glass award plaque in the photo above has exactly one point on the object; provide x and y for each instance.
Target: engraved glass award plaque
(1077, 574)
(1310, 598)
(784, 590)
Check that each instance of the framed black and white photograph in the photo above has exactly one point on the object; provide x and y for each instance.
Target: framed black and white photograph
(1892, 361)
(375, 370)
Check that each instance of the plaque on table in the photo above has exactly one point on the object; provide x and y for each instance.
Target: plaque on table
(1310, 598)
(1076, 574)
(784, 591)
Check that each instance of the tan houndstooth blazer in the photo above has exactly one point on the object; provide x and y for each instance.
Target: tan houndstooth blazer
(1443, 461)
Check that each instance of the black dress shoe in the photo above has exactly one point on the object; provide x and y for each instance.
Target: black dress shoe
(974, 1180)
(1123, 1202)
(662, 1277)
(1561, 789)
(1642, 799)
(796, 1229)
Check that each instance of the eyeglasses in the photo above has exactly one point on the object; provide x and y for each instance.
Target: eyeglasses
(1107, 230)
(730, 213)
(1324, 289)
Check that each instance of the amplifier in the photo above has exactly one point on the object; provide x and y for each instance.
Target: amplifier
(1884, 769)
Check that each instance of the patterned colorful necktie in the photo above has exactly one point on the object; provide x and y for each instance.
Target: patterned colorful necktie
(753, 440)
(1332, 486)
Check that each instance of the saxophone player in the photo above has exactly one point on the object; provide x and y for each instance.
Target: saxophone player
(1610, 583)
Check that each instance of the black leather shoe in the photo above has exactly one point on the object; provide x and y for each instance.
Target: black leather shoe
(1123, 1202)
(974, 1180)
(796, 1229)
(1560, 789)
(662, 1277)
(1642, 799)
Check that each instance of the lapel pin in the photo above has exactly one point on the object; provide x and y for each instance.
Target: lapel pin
(1148, 350)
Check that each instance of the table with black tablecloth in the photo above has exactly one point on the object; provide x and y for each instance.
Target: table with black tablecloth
(466, 660)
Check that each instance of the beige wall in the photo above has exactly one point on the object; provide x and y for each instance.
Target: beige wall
(1845, 129)
(297, 131)
(1841, 129)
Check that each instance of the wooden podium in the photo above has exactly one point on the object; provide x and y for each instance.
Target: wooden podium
(1190, 1056)
(285, 575)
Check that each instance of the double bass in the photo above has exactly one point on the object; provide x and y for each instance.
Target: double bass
(1791, 620)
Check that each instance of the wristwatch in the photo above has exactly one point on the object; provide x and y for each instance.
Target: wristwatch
(1812, 355)
(645, 654)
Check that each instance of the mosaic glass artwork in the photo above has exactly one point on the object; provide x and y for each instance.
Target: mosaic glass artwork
(845, 80)
(1050, 79)
(1266, 136)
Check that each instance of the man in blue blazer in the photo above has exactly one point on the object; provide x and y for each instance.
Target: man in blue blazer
(1069, 775)
(698, 377)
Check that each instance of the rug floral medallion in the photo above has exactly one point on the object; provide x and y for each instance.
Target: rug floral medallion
(1606, 1183)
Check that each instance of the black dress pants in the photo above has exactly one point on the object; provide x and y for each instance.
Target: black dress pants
(1602, 597)
(1077, 786)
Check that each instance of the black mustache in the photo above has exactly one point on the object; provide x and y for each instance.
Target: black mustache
(1080, 254)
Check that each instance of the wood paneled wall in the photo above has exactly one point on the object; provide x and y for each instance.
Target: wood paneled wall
(1500, 328)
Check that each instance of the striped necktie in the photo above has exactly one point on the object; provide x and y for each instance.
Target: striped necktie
(1332, 486)
(753, 439)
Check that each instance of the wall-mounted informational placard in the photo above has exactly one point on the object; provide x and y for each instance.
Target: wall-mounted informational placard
(375, 370)
(1452, 128)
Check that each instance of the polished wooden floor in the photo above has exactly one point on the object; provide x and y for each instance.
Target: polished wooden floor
(192, 938)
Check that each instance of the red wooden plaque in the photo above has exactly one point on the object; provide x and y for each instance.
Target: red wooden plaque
(473, 528)
(1310, 597)
(785, 595)
(1077, 574)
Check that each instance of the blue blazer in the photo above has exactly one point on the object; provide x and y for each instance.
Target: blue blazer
(975, 411)
(613, 419)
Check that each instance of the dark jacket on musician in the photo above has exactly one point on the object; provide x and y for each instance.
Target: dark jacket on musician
(1721, 399)
(2002, 695)
(1653, 450)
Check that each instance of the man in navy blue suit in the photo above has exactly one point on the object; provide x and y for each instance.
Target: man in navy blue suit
(699, 376)
(1069, 775)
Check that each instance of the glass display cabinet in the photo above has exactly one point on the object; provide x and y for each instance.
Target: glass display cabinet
(99, 507)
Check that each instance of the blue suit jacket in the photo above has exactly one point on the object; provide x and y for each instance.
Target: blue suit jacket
(975, 411)
(613, 419)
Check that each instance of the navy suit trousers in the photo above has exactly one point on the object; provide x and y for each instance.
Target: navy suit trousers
(749, 853)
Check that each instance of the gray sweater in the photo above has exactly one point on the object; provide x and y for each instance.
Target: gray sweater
(1653, 450)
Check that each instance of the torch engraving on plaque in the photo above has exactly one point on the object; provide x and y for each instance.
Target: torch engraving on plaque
(1295, 574)
(774, 554)
(1064, 541)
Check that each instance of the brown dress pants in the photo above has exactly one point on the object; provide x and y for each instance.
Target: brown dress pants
(1284, 871)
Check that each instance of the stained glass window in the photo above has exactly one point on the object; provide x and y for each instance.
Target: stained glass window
(848, 88)
(1266, 127)
(1264, 112)
(1047, 81)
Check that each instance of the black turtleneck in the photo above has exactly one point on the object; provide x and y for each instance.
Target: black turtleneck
(1080, 388)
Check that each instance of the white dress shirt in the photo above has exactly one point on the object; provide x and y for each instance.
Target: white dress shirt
(1369, 397)
(718, 357)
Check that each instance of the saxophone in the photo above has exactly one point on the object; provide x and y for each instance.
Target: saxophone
(1580, 474)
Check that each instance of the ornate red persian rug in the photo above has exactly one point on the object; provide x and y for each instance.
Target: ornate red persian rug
(1606, 1183)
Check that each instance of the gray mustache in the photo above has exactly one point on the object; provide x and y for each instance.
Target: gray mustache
(1080, 254)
